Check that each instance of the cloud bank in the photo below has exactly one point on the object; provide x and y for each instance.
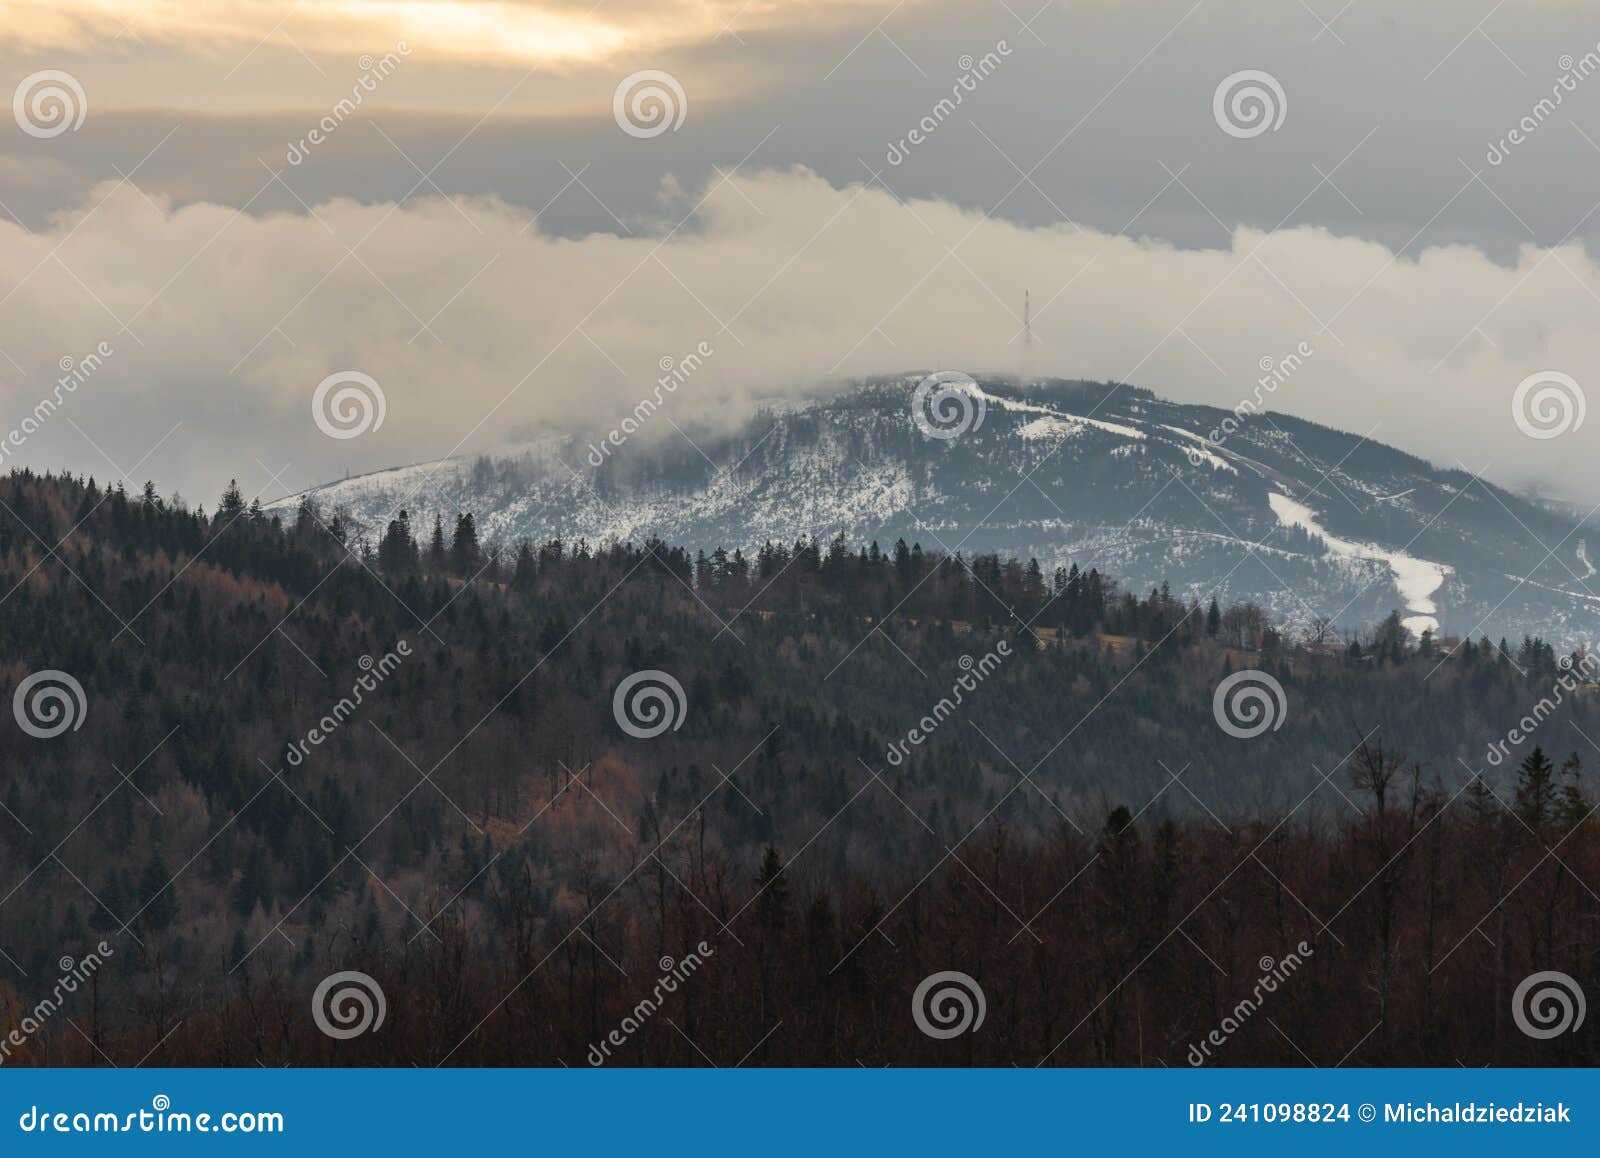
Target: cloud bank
(479, 328)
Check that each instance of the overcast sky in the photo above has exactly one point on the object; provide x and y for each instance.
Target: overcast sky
(487, 241)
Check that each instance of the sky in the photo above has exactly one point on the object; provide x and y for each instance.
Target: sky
(225, 224)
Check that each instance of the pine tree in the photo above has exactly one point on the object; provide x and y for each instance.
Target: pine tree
(114, 896)
(159, 899)
(465, 557)
(1536, 790)
(1575, 806)
(436, 548)
(774, 890)
(524, 574)
(397, 553)
(232, 504)
(902, 562)
(254, 886)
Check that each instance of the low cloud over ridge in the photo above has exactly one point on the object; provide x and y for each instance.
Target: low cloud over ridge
(475, 324)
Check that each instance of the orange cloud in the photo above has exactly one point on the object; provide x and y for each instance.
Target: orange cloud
(511, 32)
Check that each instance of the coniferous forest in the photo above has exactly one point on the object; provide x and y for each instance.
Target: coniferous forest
(302, 750)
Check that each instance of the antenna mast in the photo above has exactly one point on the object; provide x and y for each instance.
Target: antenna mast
(1027, 332)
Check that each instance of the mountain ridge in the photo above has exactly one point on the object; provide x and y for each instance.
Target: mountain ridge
(1311, 522)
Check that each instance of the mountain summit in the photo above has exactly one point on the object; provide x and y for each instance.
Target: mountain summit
(1317, 525)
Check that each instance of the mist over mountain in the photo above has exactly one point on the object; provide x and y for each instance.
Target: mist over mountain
(1316, 525)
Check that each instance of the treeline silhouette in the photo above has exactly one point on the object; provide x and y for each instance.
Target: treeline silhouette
(301, 753)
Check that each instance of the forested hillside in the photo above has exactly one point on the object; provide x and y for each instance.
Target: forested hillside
(296, 753)
(1264, 507)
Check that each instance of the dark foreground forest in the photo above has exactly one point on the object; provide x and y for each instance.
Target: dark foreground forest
(578, 804)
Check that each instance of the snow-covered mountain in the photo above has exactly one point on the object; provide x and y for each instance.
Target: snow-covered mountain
(1308, 521)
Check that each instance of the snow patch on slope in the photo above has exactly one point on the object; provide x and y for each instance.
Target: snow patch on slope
(379, 485)
(1202, 452)
(1416, 579)
(1055, 424)
(1052, 423)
